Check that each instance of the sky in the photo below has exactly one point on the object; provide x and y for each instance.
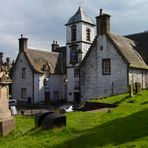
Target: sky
(42, 21)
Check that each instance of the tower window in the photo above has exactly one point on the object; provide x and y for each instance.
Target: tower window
(73, 56)
(73, 33)
(87, 34)
(106, 66)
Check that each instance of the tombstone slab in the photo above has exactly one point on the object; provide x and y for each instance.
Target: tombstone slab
(7, 123)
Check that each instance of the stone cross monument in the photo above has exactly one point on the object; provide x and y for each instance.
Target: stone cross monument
(7, 123)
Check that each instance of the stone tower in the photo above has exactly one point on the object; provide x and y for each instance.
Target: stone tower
(80, 33)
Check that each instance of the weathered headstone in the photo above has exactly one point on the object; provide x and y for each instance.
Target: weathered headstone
(137, 87)
(7, 123)
(131, 91)
(40, 117)
(54, 121)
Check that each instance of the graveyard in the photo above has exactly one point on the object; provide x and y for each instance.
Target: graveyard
(123, 126)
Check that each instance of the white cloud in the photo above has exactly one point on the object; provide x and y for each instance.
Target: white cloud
(43, 20)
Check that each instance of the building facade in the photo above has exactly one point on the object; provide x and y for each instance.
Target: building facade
(80, 33)
(90, 65)
(38, 76)
(111, 64)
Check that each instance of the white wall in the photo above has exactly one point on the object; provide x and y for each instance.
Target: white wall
(138, 75)
(18, 82)
(81, 42)
(39, 90)
(56, 83)
(93, 83)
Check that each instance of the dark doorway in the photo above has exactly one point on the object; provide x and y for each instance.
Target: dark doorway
(77, 99)
(47, 97)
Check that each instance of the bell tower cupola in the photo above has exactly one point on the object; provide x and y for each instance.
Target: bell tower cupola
(80, 33)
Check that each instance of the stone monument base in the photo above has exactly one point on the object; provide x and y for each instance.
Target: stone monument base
(6, 126)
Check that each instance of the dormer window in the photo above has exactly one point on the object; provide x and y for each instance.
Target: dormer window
(73, 33)
(88, 34)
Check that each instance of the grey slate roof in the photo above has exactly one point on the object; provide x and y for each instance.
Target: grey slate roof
(80, 16)
(127, 49)
(38, 58)
(142, 42)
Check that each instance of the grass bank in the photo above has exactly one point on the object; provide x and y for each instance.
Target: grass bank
(124, 126)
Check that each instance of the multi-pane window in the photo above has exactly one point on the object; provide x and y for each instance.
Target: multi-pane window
(24, 93)
(23, 73)
(73, 33)
(87, 34)
(106, 66)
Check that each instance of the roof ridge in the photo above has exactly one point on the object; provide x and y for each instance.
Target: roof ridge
(39, 50)
(125, 55)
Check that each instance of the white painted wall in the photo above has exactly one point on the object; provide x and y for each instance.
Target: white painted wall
(56, 83)
(89, 76)
(18, 82)
(93, 83)
(81, 42)
(138, 75)
(39, 89)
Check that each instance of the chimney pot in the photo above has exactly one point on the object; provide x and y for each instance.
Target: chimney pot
(22, 43)
(103, 23)
(1, 58)
(101, 10)
(54, 46)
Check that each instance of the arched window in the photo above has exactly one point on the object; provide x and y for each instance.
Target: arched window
(88, 34)
(73, 33)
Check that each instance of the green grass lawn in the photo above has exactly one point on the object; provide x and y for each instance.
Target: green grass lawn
(125, 126)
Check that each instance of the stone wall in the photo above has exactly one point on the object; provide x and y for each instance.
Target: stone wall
(93, 82)
(82, 44)
(138, 75)
(18, 83)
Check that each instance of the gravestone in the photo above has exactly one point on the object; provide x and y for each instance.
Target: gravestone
(7, 123)
(54, 121)
(40, 117)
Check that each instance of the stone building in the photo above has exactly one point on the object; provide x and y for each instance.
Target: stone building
(108, 64)
(111, 63)
(38, 76)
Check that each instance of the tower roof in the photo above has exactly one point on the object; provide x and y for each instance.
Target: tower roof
(80, 16)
